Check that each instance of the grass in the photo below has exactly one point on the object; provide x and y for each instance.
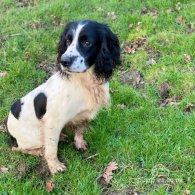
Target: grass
(154, 146)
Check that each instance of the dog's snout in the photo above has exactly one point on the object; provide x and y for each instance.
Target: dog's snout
(66, 61)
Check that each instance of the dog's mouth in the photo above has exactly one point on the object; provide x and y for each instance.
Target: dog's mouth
(68, 70)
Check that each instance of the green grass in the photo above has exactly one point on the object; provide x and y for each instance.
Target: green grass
(157, 143)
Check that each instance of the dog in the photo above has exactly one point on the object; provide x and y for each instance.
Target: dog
(88, 52)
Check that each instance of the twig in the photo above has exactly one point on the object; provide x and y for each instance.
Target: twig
(12, 35)
(92, 156)
(125, 167)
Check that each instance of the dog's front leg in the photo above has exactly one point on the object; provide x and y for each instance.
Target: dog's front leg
(51, 147)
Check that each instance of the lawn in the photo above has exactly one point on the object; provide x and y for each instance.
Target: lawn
(149, 129)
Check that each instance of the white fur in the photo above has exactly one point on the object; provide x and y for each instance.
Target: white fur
(72, 99)
(79, 63)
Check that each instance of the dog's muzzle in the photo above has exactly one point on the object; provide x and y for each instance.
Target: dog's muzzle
(67, 61)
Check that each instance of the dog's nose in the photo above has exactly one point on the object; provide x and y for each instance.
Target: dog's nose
(66, 61)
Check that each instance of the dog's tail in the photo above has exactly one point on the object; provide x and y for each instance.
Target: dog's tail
(12, 140)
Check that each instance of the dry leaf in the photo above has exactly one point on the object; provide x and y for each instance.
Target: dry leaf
(99, 9)
(181, 20)
(3, 127)
(25, 3)
(150, 62)
(121, 106)
(130, 26)
(133, 78)
(3, 74)
(133, 46)
(108, 173)
(187, 58)
(178, 6)
(3, 170)
(128, 49)
(111, 15)
(175, 100)
(49, 185)
(150, 12)
(189, 108)
(190, 28)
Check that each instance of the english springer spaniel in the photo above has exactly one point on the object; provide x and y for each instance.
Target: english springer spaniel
(87, 54)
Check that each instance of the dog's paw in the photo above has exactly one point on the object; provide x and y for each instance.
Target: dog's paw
(81, 145)
(56, 166)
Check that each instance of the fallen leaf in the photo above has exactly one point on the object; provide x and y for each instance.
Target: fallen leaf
(133, 78)
(150, 62)
(130, 26)
(121, 106)
(138, 27)
(3, 170)
(150, 12)
(128, 49)
(99, 9)
(25, 3)
(108, 173)
(3, 74)
(178, 6)
(50, 185)
(187, 58)
(190, 108)
(111, 15)
(181, 20)
(144, 10)
(132, 47)
(3, 127)
(172, 101)
(190, 28)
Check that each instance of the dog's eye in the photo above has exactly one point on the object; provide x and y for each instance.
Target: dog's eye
(86, 43)
(68, 42)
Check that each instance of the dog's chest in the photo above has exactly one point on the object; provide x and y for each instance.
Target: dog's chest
(94, 95)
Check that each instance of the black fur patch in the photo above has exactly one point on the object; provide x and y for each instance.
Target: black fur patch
(16, 108)
(40, 103)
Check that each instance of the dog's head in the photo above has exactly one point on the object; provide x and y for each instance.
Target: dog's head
(87, 43)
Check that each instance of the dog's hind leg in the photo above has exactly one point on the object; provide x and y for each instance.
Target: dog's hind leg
(79, 142)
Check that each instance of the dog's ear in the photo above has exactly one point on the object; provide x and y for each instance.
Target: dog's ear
(109, 54)
(62, 42)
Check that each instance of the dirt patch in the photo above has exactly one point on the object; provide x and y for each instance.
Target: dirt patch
(152, 52)
(49, 67)
(133, 78)
(127, 191)
(175, 100)
(42, 170)
(22, 170)
(149, 11)
(26, 3)
(165, 98)
(132, 47)
(55, 21)
(164, 91)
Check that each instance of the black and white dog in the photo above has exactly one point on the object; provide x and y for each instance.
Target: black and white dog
(87, 54)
